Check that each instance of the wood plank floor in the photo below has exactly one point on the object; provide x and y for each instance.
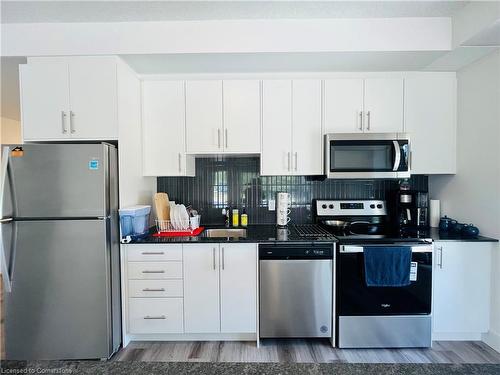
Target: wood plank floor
(304, 351)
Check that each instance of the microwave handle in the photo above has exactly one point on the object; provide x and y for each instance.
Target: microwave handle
(397, 158)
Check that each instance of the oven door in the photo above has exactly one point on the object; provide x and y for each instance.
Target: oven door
(367, 156)
(355, 298)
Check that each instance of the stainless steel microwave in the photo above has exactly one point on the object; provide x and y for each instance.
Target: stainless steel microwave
(362, 155)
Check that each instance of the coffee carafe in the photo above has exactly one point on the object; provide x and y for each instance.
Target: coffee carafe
(282, 209)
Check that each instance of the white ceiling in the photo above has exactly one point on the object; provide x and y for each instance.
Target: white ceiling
(121, 11)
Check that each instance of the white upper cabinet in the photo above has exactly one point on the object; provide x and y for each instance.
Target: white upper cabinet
(45, 116)
(241, 103)
(383, 106)
(163, 130)
(430, 119)
(307, 145)
(462, 288)
(343, 101)
(238, 288)
(276, 128)
(77, 95)
(204, 129)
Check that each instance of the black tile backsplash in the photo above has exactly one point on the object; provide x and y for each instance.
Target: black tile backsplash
(236, 182)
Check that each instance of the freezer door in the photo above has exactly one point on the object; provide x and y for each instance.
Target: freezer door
(60, 304)
(60, 180)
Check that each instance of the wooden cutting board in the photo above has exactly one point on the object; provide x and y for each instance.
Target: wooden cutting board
(162, 205)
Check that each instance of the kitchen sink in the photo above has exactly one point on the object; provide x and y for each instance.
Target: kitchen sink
(223, 233)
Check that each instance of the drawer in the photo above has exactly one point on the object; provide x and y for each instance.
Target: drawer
(156, 315)
(155, 288)
(155, 253)
(155, 270)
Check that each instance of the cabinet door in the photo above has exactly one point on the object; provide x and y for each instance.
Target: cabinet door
(238, 288)
(461, 287)
(163, 128)
(307, 145)
(93, 98)
(383, 105)
(201, 288)
(430, 107)
(276, 128)
(204, 116)
(241, 116)
(343, 103)
(45, 100)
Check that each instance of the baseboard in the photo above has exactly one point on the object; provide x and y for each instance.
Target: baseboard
(456, 336)
(193, 337)
(492, 339)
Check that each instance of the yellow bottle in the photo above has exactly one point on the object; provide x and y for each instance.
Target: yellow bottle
(236, 217)
(244, 218)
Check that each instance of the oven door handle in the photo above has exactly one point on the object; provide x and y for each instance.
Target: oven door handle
(397, 156)
(420, 248)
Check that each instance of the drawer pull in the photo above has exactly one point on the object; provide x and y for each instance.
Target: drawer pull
(160, 271)
(153, 253)
(153, 290)
(147, 317)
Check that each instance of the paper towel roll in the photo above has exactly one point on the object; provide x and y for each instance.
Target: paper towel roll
(435, 213)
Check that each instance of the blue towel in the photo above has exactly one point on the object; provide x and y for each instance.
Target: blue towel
(387, 266)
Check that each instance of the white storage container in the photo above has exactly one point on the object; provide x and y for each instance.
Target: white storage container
(134, 220)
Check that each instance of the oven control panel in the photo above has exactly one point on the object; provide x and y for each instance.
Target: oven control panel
(326, 207)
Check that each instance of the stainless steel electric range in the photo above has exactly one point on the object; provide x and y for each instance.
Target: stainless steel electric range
(367, 316)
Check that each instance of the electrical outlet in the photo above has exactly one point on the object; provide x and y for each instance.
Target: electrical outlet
(272, 205)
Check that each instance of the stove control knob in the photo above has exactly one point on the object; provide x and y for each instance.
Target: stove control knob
(330, 206)
(372, 206)
(379, 206)
(323, 206)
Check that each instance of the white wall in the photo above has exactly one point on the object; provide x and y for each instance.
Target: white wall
(134, 189)
(10, 131)
(473, 194)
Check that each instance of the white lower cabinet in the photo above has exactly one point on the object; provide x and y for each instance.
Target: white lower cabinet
(155, 315)
(220, 288)
(461, 308)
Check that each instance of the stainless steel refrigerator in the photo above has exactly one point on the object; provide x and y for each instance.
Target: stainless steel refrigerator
(60, 250)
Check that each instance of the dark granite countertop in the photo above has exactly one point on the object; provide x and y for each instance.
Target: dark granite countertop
(271, 233)
(255, 233)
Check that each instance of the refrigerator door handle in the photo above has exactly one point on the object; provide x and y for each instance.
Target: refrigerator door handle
(7, 281)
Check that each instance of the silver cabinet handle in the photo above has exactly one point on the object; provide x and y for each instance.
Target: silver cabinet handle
(179, 158)
(153, 253)
(63, 122)
(159, 271)
(295, 161)
(288, 157)
(360, 120)
(225, 137)
(72, 127)
(213, 256)
(218, 138)
(153, 290)
(368, 118)
(440, 264)
(147, 317)
(223, 263)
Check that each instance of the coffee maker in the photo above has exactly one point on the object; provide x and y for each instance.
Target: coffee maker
(411, 209)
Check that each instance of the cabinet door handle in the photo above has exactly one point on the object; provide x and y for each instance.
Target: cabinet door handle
(147, 317)
(179, 159)
(153, 290)
(440, 264)
(159, 271)
(223, 262)
(153, 253)
(213, 257)
(225, 136)
(295, 161)
(288, 158)
(368, 118)
(63, 122)
(72, 127)
(360, 120)
(218, 138)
